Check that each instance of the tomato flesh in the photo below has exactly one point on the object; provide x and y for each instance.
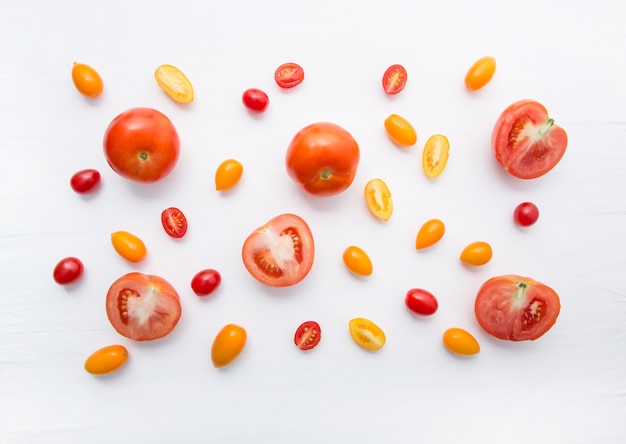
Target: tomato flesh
(206, 282)
(308, 335)
(68, 270)
(289, 75)
(430, 233)
(526, 214)
(378, 199)
(421, 302)
(174, 83)
(174, 222)
(228, 344)
(435, 155)
(367, 334)
(394, 79)
(400, 131)
(106, 360)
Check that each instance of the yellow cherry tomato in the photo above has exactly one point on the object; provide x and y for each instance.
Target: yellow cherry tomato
(460, 342)
(429, 233)
(174, 83)
(400, 131)
(106, 360)
(480, 73)
(435, 155)
(228, 174)
(476, 253)
(87, 80)
(228, 344)
(378, 198)
(357, 261)
(367, 334)
(129, 246)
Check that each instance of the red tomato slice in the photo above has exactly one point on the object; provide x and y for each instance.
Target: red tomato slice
(516, 308)
(394, 79)
(526, 142)
(289, 75)
(143, 307)
(281, 252)
(174, 222)
(308, 335)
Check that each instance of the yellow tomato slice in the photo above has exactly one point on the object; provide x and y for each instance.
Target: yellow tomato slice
(435, 155)
(400, 131)
(480, 73)
(460, 341)
(106, 360)
(129, 246)
(174, 83)
(430, 233)
(477, 253)
(367, 334)
(378, 198)
(228, 174)
(357, 261)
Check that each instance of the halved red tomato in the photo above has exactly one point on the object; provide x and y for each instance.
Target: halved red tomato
(516, 308)
(143, 307)
(281, 252)
(308, 335)
(289, 75)
(525, 140)
(394, 79)
(174, 222)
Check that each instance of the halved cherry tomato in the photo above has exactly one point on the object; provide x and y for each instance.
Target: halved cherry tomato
(255, 100)
(228, 344)
(308, 335)
(378, 198)
(174, 83)
(357, 261)
(394, 79)
(228, 174)
(68, 270)
(205, 282)
(435, 155)
(281, 252)
(87, 80)
(526, 214)
(429, 233)
(526, 142)
(400, 131)
(143, 307)
(367, 334)
(174, 222)
(85, 181)
(289, 75)
(420, 301)
(480, 73)
(106, 360)
(460, 341)
(129, 246)
(516, 308)
(477, 253)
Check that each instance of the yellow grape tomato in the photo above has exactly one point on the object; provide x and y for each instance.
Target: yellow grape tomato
(430, 233)
(174, 83)
(357, 261)
(228, 344)
(106, 360)
(435, 155)
(477, 253)
(400, 131)
(480, 73)
(87, 80)
(460, 341)
(129, 246)
(378, 198)
(228, 174)
(367, 334)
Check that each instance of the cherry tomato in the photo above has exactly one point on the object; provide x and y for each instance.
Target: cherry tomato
(174, 83)
(367, 334)
(87, 80)
(378, 198)
(255, 100)
(205, 282)
(526, 214)
(460, 341)
(106, 360)
(289, 75)
(435, 155)
(85, 181)
(357, 261)
(394, 79)
(228, 344)
(526, 142)
(400, 131)
(308, 335)
(323, 158)
(129, 246)
(68, 270)
(480, 73)
(142, 307)
(429, 233)
(281, 252)
(141, 144)
(516, 308)
(476, 253)
(174, 222)
(228, 174)
(421, 301)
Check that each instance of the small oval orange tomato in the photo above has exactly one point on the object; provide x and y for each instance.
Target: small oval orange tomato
(367, 334)
(357, 261)
(378, 198)
(174, 83)
(87, 80)
(435, 155)
(228, 174)
(400, 131)
(106, 360)
(228, 344)
(429, 233)
(460, 341)
(480, 73)
(129, 246)
(476, 253)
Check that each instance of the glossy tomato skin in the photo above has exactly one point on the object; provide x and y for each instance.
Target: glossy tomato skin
(106, 360)
(357, 261)
(323, 159)
(228, 174)
(129, 246)
(400, 131)
(87, 80)
(460, 341)
(516, 308)
(228, 344)
(174, 222)
(480, 73)
(289, 75)
(85, 181)
(255, 100)
(429, 233)
(308, 335)
(206, 282)
(142, 144)
(526, 214)
(421, 302)
(378, 199)
(281, 252)
(394, 79)
(68, 270)
(476, 253)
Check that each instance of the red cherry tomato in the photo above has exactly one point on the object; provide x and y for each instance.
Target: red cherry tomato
(420, 301)
(68, 270)
(526, 214)
(394, 79)
(85, 181)
(255, 100)
(308, 335)
(289, 75)
(205, 282)
(174, 222)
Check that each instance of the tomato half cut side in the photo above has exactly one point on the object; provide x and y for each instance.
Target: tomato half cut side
(367, 334)
(378, 199)
(394, 79)
(308, 335)
(289, 75)
(174, 222)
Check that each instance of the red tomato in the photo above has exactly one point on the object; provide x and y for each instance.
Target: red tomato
(174, 222)
(308, 335)
(421, 302)
(281, 252)
(85, 181)
(68, 270)
(394, 79)
(526, 142)
(289, 75)
(205, 282)
(526, 214)
(143, 307)
(323, 159)
(255, 100)
(516, 308)
(141, 144)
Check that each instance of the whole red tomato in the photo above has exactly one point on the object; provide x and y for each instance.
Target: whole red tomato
(323, 159)
(141, 144)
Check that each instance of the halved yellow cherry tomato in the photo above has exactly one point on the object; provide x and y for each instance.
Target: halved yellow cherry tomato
(430, 233)
(480, 73)
(228, 344)
(477, 253)
(367, 334)
(174, 83)
(435, 155)
(228, 174)
(378, 198)
(460, 341)
(129, 246)
(87, 80)
(400, 131)
(357, 261)
(106, 360)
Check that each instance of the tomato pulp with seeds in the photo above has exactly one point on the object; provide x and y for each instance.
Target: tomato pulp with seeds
(289, 75)
(378, 199)
(394, 79)
(367, 334)
(308, 335)
(174, 222)
(435, 155)
(174, 83)
(281, 252)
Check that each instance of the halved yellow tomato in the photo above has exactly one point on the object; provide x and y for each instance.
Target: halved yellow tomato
(129, 246)
(174, 83)
(357, 261)
(378, 198)
(367, 334)
(228, 174)
(106, 360)
(477, 253)
(435, 155)
(430, 233)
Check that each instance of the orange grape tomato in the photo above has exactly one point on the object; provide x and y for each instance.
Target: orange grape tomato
(435, 155)
(228, 344)
(400, 131)
(106, 360)
(357, 261)
(480, 73)
(367, 334)
(174, 83)
(87, 80)
(477, 253)
(460, 341)
(129, 246)
(378, 198)
(430, 233)
(228, 174)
